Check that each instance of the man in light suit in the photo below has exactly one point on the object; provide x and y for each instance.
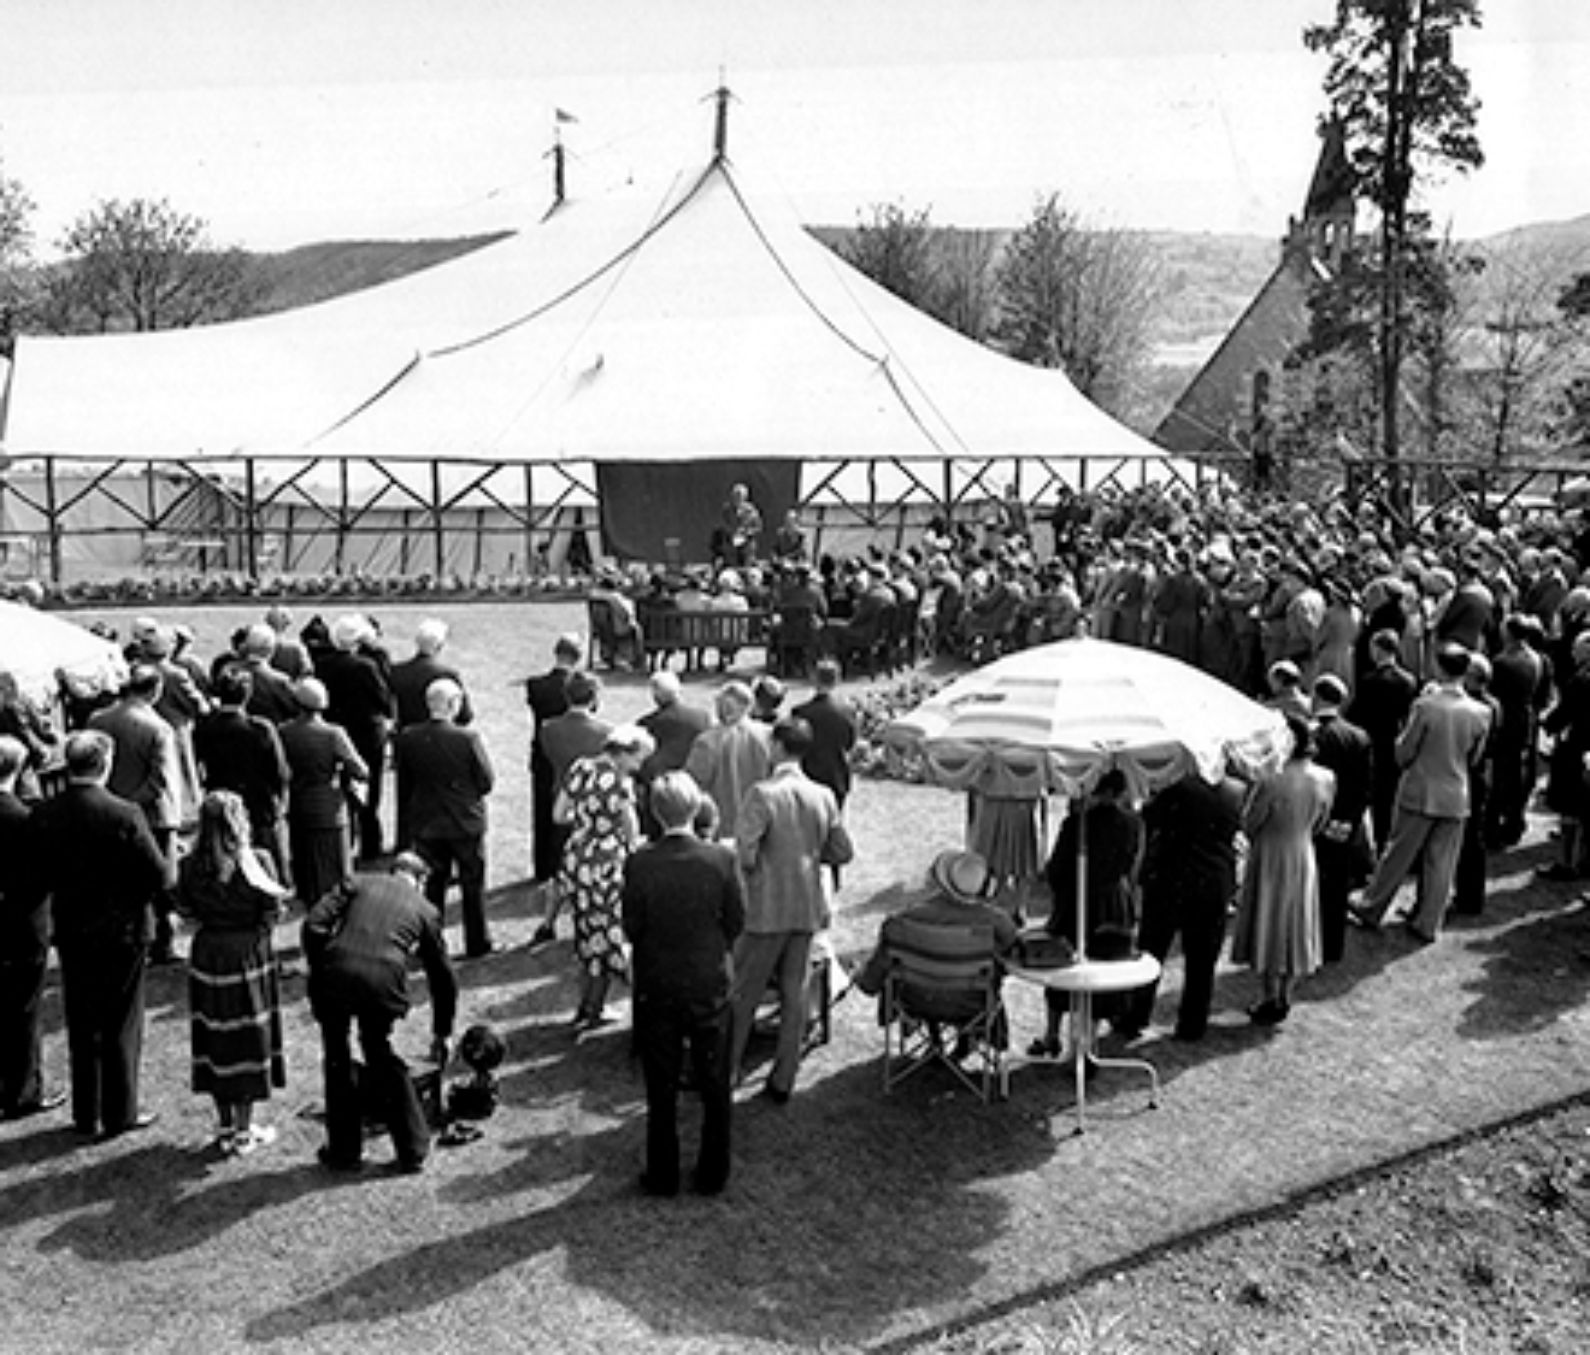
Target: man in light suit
(1443, 741)
(146, 770)
(446, 776)
(786, 829)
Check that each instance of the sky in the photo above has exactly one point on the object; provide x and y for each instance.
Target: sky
(282, 122)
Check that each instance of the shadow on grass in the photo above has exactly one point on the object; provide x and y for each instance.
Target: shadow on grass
(825, 1256)
(138, 1205)
(1533, 972)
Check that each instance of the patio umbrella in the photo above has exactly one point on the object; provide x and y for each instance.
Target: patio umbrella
(36, 646)
(1056, 718)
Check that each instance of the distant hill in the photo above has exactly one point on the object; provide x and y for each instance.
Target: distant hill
(311, 273)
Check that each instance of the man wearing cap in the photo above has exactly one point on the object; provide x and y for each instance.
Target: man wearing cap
(788, 827)
(102, 869)
(1342, 848)
(962, 889)
(1443, 741)
(683, 908)
(444, 774)
(359, 941)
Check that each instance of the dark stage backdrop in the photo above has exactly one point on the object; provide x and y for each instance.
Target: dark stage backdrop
(647, 503)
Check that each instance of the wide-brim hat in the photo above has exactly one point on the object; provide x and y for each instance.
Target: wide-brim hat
(962, 876)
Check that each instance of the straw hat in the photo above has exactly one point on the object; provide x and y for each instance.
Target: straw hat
(962, 876)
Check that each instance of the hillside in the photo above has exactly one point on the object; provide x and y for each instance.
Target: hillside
(311, 273)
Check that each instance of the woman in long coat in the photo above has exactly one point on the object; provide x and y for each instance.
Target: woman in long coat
(1278, 924)
(322, 760)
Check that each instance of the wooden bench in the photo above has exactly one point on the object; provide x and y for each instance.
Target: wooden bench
(669, 632)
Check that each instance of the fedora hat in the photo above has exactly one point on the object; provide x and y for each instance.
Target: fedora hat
(962, 876)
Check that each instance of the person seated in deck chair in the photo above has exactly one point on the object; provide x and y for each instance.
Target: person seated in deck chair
(962, 887)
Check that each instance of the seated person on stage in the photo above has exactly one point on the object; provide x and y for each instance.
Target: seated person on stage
(962, 887)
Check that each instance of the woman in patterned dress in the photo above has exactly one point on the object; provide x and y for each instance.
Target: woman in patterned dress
(234, 988)
(597, 801)
(322, 759)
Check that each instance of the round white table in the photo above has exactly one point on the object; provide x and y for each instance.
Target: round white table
(1081, 980)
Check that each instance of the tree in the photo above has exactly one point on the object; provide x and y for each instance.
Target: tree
(16, 240)
(143, 265)
(1078, 299)
(965, 299)
(895, 250)
(1408, 112)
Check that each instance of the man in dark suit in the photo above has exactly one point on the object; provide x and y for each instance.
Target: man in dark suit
(445, 776)
(673, 724)
(547, 697)
(358, 941)
(271, 691)
(24, 950)
(683, 908)
(1189, 877)
(1520, 684)
(360, 700)
(243, 753)
(1468, 886)
(102, 869)
(833, 726)
(147, 771)
(1342, 849)
(412, 678)
(1380, 708)
(578, 732)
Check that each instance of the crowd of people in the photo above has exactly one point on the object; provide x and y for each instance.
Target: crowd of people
(697, 851)
(222, 792)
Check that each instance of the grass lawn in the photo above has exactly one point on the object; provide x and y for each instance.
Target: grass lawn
(852, 1219)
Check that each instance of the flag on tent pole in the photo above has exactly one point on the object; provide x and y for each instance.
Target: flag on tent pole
(563, 115)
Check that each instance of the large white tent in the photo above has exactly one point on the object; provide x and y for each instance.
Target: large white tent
(689, 322)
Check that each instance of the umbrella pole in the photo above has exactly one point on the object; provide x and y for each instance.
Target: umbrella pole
(1082, 878)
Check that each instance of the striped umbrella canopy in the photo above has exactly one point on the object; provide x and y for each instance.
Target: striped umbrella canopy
(1055, 718)
(35, 647)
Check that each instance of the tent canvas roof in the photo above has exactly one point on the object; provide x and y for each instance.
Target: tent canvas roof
(687, 325)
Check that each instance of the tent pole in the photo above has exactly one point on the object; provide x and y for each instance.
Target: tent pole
(52, 519)
(250, 520)
(438, 524)
(529, 523)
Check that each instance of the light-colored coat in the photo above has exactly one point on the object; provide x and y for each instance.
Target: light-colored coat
(788, 827)
(1444, 738)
